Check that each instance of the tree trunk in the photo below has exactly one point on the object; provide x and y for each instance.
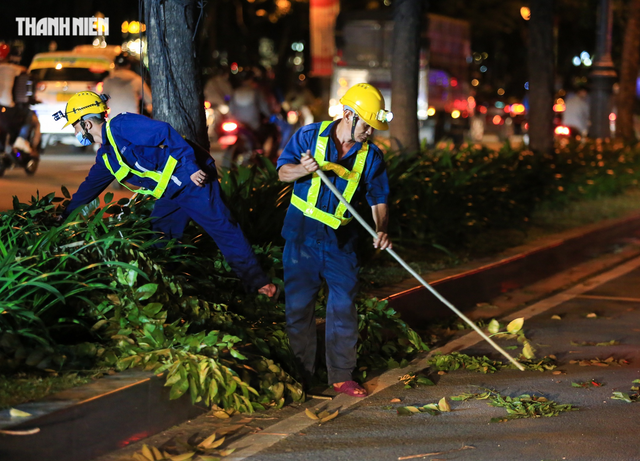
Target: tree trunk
(407, 15)
(174, 69)
(541, 76)
(629, 74)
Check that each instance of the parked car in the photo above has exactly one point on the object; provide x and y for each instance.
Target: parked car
(59, 76)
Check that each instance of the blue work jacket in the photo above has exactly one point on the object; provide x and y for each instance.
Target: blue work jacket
(144, 144)
(374, 185)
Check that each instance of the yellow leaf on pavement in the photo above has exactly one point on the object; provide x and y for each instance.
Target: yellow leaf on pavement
(310, 414)
(443, 405)
(208, 441)
(515, 325)
(15, 413)
(329, 418)
(183, 456)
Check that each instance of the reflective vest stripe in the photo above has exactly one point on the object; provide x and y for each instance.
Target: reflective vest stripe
(308, 206)
(161, 178)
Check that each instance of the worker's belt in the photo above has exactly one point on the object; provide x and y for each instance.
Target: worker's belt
(162, 178)
(308, 206)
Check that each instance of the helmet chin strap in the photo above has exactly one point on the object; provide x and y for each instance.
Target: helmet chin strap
(353, 126)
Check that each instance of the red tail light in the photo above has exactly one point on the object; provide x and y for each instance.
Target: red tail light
(229, 126)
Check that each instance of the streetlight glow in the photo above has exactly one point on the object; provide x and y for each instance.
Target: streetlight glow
(525, 12)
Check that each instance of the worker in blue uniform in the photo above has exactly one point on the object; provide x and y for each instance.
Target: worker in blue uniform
(152, 155)
(320, 237)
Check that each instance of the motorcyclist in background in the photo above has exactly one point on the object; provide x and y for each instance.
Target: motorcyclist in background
(126, 88)
(19, 125)
(249, 107)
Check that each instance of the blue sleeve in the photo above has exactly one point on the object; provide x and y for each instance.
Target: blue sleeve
(143, 131)
(376, 180)
(300, 142)
(94, 184)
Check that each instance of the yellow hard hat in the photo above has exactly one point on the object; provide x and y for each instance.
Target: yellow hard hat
(81, 104)
(368, 103)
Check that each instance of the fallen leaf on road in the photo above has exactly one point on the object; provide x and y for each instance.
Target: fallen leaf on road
(558, 372)
(441, 372)
(15, 413)
(556, 317)
(423, 455)
(443, 405)
(592, 315)
(395, 400)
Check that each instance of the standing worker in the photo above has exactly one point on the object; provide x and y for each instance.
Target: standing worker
(320, 240)
(151, 154)
(126, 89)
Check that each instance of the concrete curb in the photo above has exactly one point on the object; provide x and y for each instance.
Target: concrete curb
(481, 281)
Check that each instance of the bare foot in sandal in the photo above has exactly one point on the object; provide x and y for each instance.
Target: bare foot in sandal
(350, 388)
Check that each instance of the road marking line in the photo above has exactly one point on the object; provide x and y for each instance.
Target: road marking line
(253, 444)
(610, 298)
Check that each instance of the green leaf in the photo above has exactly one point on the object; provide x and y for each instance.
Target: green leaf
(65, 192)
(528, 351)
(493, 327)
(146, 291)
(179, 388)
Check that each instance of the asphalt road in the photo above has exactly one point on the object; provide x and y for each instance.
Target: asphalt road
(601, 429)
(59, 165)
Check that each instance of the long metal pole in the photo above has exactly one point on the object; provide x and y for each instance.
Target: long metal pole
(355, 214)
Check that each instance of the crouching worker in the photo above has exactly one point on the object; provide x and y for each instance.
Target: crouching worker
(320, 237)
(152, 155)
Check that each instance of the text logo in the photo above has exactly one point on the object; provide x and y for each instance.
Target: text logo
(63, 26)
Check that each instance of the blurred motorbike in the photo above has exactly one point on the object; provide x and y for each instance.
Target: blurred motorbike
(20, 129)
(18, 157)
(243, 146)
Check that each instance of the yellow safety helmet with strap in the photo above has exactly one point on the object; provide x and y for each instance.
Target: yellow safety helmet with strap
(368, 103)
(81, 104)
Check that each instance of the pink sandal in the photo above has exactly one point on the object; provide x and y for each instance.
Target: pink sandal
(350, 388)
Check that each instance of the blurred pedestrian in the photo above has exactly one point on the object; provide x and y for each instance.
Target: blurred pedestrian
(576, 113)
(127, 90)
(152, 155)
(320, 238)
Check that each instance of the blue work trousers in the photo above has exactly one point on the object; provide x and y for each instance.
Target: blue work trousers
(305, 266)
(205, 206)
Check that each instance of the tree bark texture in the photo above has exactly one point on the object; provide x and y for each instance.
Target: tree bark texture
(541, 76)
(407, 15)
(175, 73)
(629, 74)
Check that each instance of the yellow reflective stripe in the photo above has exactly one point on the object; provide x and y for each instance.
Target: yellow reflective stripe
(308, 207)
(162, 178)
(341, 171)
(315, 213)
(320, 156)
(358, 167)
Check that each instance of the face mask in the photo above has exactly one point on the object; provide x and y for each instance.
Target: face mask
(85, 139)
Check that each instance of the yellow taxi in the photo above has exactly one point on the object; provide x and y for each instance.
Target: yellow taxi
(60, 75)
